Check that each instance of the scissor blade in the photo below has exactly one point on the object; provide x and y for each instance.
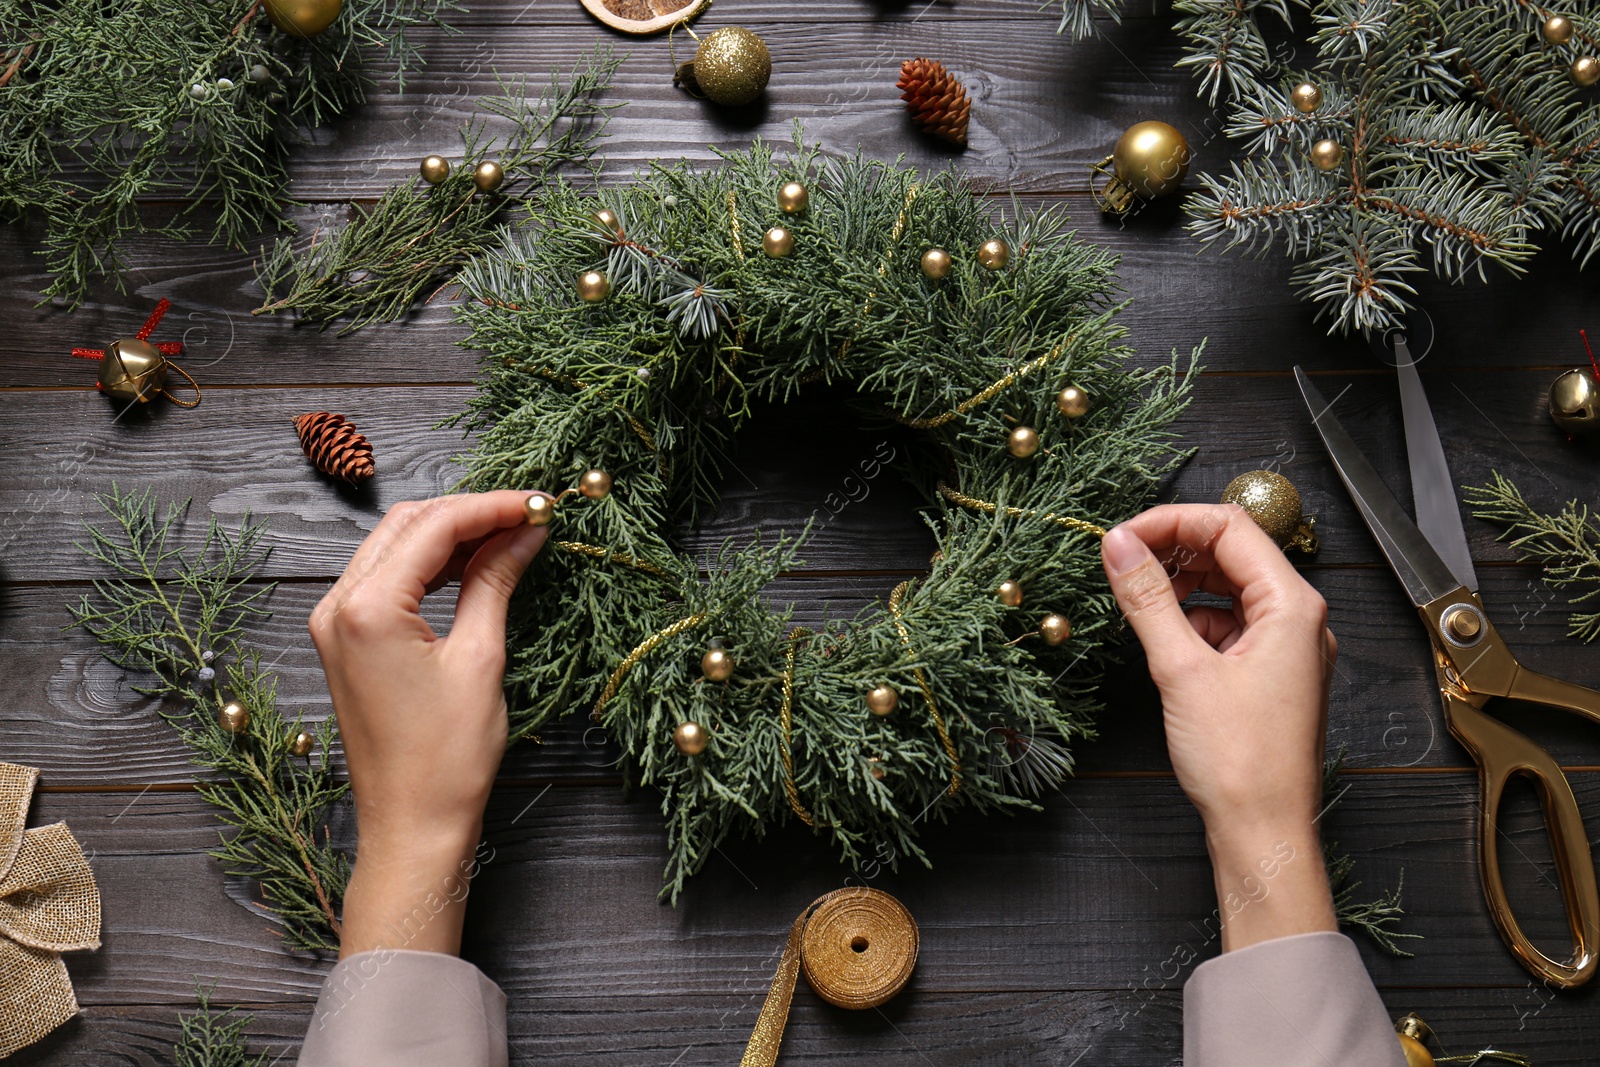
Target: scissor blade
(1432, 489)
(1418, 566)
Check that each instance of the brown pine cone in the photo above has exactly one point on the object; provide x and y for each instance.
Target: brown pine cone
(939, 105)
(334, 447)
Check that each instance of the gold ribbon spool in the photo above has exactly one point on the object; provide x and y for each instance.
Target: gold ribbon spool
(857, 947)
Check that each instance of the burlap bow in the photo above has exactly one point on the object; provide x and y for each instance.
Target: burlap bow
(48, 905)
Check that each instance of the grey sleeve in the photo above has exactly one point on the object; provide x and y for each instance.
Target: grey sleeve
(1301, 1001)
(402, 1008)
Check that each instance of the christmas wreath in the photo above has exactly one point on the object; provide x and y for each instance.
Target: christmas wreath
(626, 337)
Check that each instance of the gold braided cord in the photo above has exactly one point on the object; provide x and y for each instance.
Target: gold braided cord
(895, 599)
(614, 683)
(957, 497)
(798, 634)
(992, 391)
(637, 427)
(733, 224)
(611, 555)
(544, 372)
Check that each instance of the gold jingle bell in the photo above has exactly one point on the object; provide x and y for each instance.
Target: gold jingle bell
(1575, 402)
(1414, 1033)
(133, 370)
(1274, 503)
(1149, 160)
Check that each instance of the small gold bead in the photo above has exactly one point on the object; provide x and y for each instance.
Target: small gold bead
(1586, 71)
(435, 169)
(716, 665)
(1306, 97)
(593, 286)
(936, 263)
(994, 253)
(875, 767)
(1010, 593)
(489, 176)
(538, 510)
(1327, 154)
(882, 700)
(595, 484)
(691, 738)
(1073, 402)
(1557, 29)
(1055, 629)
(607, 219)
(1023, 442)
(301, 744)
(793, 198)
(777, 243)
(234, 717)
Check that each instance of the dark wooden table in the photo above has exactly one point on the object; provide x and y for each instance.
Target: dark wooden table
(1047, 938)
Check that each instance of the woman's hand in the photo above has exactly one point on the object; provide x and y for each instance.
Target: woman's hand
(1244, 694)
(422, 717)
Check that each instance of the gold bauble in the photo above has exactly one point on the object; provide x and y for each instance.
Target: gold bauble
(1586, 71)
(1023, 442)
(607, 219)
(691, 738)
(777, 243)
(1151, 159)
(793, 198)
(1306, 97)
(936, 263)
(1413, 1034)
(731, 66)
(595, 484)
(1270, 499)
(994, 253)
(1575, 402)
(716, 665)
(593, 286)
(1557, 29)
(301, 744)
(1073, 402)
(538, 510)
(233, 717)
(882, 700)
(133, 370)
(435, 169)
(1010, 593)
(302, 18)
(1327, 154)
(1055, 629)
(488, 176)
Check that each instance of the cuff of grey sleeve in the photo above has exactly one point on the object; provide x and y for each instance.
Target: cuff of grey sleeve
(1300, 1001)
(400, 1008)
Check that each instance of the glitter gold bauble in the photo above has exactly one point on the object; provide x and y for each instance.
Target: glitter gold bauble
(1575, 402)
(1557, 29)
(994, 253)
(882, 700)
(435, 169)
(301, 744)
(1073, 402)
(936, 263)
(731, 67)
(233, 717)
(488, 176)
(1010, 593)
(607, 219)
(595, 484)
(777, 243)
(1327, 154)
(1055, 629)
(302, 18)
(793, 198)
(133, 370)
(691, 738)
(716, 665)
(593, 286)
(1585, 71)
(1274, 503)
(1023, 442)
(1306, 97)
(538, 510)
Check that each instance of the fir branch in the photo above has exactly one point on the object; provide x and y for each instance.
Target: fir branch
(211, 1038)
(177, 618)
(1565, 544)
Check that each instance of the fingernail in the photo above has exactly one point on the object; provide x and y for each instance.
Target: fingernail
(525, 543)
(1123, 550)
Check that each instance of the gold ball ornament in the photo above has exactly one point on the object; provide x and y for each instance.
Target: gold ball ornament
(233, 717)
(1585, 71)
(595, 484)
(1010, 593)
(1413, 1034)
(731, 66)
(875, 767)
(1557, 29)
(1575, 402)
(1306, 98)
(1055, 629)
(882, 700)
(1274, 503)
(691, 738)
(1023, 442)
(994, 254)
(538, 510)
(593, 286)
(1327, 154)
(716, 665)
(133, 370)
(302, 18)
(1073, 402)
(936, 264)
(607, 219)
(301, 744)
(489, 176)
(793, 198)
(778, 243)
(1151, 159)
(435, 169)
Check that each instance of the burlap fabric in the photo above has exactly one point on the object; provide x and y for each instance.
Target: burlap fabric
(48, 905)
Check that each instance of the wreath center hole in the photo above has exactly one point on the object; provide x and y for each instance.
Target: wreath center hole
(858, 943)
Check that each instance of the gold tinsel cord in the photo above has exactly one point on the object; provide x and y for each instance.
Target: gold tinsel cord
(49, 904)
(992, 391)
(798, 634)
(895, 599)
(615, 681)
(957, 497)
(857, 947)
(611, 555)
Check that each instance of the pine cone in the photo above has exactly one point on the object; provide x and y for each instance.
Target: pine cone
(334, 447)
(939, 105)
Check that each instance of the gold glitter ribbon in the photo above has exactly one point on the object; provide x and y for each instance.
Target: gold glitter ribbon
(857, 948)
(631, 660)
(798, 634)
(992, 391)
(895, 599)
(957, 497)
(49, 904)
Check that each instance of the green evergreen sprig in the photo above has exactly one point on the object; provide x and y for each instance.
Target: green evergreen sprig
(160, 615)
(211, 1038)
(1377, 918)
(1566, 544)
(413, 240)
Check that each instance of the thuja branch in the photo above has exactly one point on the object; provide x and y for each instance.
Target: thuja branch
(177, 618)
(1566, 544)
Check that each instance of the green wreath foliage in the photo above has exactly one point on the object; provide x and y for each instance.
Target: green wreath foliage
(652, 383)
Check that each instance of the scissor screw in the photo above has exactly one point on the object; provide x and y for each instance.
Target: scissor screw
(1464, 624)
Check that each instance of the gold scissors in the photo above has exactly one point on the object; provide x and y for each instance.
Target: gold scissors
(1473, 665)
